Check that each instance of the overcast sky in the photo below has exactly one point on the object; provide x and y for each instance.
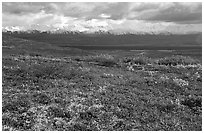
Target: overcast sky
(117, 17)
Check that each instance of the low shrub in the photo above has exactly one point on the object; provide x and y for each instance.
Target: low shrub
(141, 60)
(166, 108)
(16, 105)
(35, 54)
(25, 121)
(80, 127)
(20, 72)
(87, 115)
(177, 60)
(53, 71)
(55, 111)
(107, 63)
(136, 60)
(41, 98)
(69, 74)
(102, 60)
(192, 102)
(43, 70)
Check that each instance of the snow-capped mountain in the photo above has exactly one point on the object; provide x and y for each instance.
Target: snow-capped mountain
(12, 28)
(93, 28)
(53, 29)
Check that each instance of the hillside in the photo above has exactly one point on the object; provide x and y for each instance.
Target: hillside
(107, 39)
(49, 88)
(14, 45)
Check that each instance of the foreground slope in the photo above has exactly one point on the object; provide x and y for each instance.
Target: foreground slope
(100, 91)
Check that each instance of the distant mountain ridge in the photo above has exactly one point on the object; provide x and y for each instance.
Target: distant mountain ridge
(95, 30)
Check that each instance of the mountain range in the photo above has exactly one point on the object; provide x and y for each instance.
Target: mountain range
(100, 36)
(92, 29)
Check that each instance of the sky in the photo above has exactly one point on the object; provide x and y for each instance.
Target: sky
(117, 17)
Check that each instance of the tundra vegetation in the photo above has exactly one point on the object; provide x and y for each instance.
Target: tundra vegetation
(100, 91)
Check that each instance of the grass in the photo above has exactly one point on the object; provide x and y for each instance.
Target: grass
(100, 93)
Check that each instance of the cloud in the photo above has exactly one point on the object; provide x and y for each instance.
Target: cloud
(134, 26)
(30, 19)
(21, 8)
(90, 10)
(118, 16)
(173, 12)
(139, 7)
